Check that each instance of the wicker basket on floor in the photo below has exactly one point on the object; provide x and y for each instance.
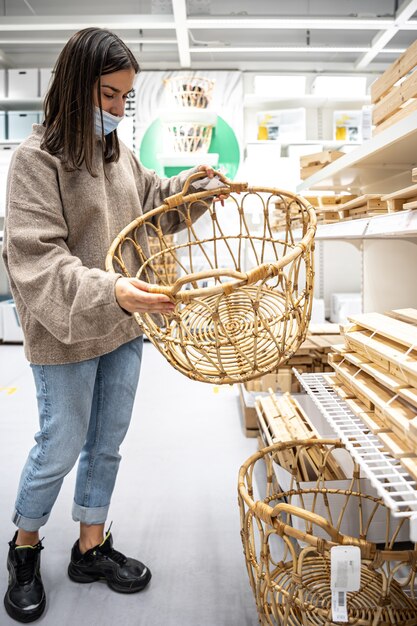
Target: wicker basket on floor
(230, 323)
(287, 545)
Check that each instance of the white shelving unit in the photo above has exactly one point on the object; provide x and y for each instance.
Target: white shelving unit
(389, 280)
(392, 482)
(388, 242)
(252, 101)
(381, 164)
(21, 104)
(402, 225)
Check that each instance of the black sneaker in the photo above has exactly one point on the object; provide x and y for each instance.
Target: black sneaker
(25, 597)
(104, 563)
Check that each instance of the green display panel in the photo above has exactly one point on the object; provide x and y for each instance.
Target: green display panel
(223, 142)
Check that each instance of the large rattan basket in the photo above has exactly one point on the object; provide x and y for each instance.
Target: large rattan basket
(242, 293)
(287, 535)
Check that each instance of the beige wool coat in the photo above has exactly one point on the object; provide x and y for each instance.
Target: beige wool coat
(59, 226)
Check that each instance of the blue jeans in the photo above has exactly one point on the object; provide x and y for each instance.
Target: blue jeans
(84, 411)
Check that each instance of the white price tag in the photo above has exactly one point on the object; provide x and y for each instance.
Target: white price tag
(208, 183)
(345, 575)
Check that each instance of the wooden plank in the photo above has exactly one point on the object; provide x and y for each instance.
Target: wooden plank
(306, 172)
(397, 204)
(410, 465)
(375, 423)
(404, 315)
(401, 114)
(410, 395)
(324, 157)
(395, 99)
(398, 414)
(360, 201)
(386, 353)
(393, 329)
(401, 66)
(410, 205)
(324, 329)
(406, 192)
(379, 374)
(396, 446)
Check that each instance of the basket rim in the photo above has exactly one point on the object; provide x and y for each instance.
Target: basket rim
(270, 268)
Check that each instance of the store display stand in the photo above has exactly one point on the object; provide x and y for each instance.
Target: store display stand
(392, 482)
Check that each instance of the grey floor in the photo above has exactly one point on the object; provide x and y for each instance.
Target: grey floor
(174, 506)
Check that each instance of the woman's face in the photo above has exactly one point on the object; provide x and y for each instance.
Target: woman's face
(115, 88)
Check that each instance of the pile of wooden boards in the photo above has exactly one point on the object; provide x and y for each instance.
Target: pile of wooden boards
(367, 205)
(376, 373)
(327, 210)
(312, 163)
(281, 419)
(394, 93)
(312, 356)
(402, 200)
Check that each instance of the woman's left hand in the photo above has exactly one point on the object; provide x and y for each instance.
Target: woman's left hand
(211, 173)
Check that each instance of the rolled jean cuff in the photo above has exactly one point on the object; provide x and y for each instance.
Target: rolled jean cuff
(89, 515)
(27, 523)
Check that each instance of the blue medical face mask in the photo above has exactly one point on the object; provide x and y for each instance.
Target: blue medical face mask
(110, 122)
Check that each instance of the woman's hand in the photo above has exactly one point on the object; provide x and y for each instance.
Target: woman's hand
(133, 296)
(211, 173)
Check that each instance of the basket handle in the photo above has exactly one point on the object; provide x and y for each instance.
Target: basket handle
(227, 183)
(172, 290)
(309, 516)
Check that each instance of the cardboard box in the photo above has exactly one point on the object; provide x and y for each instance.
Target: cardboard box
(6, 152)
(11, 330)
(23, 83)
(20, 124)
(249, 391)
(2, 125)
(2, 83)
(45, 76)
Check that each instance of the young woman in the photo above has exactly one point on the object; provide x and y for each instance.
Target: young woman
(72, 187)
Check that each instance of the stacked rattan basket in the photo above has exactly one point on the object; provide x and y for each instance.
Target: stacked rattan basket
(287, 545)
(243, 297)
(188, 123)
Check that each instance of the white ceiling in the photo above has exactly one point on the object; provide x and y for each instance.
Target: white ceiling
(263, 35)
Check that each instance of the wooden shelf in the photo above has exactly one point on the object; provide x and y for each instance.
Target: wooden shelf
(399, 225)
(387, 157)
(327, 143)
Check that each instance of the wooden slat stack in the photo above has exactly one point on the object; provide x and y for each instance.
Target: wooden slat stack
(283, 419)
(402, 199)
(394, 100)
(367, 205)
(326, 207)
(376, 372)
(312, 356)
(312, 163)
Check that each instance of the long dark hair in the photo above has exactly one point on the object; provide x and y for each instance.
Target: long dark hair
(69, 108)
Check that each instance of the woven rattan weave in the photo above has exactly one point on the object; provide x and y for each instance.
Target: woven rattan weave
(243, 296)
(287, 535)
(190, 91)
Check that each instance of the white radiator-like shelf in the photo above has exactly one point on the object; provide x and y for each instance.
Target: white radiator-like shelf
(392, 482)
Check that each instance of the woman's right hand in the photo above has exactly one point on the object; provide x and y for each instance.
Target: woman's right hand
(133, 296)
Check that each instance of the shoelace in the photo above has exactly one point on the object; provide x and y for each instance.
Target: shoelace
(114, 555)
(26, 565)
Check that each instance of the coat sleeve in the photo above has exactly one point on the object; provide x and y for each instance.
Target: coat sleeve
(73, 302)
